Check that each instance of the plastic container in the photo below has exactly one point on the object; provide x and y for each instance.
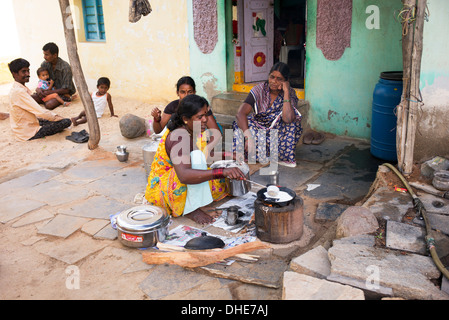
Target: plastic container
(386, 96)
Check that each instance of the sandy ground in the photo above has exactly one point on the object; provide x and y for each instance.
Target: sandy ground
(47, 280)
(17, 155)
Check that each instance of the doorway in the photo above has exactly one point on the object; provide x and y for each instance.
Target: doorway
(265, 32)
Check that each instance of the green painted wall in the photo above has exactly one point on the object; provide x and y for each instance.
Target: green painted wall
(340, 92)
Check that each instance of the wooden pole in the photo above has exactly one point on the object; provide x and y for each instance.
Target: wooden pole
(415, 94)
(403, 107)
(92, 121)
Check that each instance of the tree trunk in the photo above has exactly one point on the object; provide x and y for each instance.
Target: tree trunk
(415, 94)
(403, 107)
(92, 121)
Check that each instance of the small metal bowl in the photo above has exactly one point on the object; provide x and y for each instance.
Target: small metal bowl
(122, 157)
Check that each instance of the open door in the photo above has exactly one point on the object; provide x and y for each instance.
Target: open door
(258, 38)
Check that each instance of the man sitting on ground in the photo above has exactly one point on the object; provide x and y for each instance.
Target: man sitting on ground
(28, 119)
(61, 73)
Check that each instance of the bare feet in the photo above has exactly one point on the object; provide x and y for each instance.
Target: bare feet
(66, 104)
(4, 116)
(74, 121)
(200, 217)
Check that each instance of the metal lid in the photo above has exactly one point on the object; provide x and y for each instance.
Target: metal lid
(143, 218)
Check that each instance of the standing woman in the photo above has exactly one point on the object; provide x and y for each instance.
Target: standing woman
(180, 181)
(269, 106)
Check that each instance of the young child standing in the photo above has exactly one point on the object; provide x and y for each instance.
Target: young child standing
(101, 98)
(45, 83)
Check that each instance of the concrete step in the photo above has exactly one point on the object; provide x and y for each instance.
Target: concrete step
(227, 103)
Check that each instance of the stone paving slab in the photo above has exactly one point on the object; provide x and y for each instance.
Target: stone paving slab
(91, 171)
(266, 273)
(329, 211)
(97, 207)
(121, 185)
(165, 280)
(407, 275)
(93, 226)
(402, 236)
(62, 226)
(323, 152)
(106, 233)
(292, 178)
(14, 206)
(387, 204)
(70, 250)
(26, 181)
(349, 177)
(55, 193)
(303, 287)
(33, 217)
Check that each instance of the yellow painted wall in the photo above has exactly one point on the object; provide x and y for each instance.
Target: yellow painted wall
(143, 60)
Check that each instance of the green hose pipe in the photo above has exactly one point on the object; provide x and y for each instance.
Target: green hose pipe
(419, 206)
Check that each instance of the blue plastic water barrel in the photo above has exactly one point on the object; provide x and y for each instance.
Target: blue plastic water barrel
(386, 96)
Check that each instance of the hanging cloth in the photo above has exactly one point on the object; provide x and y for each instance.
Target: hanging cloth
(137, 9)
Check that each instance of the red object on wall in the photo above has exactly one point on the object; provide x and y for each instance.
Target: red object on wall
(238, 51)
(259, 59)
(234, 26)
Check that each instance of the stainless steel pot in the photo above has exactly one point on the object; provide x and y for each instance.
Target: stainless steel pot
(236, 188)
(142, 226)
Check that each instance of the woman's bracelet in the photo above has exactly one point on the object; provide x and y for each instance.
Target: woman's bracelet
(217, 173)
(157, 119)
(286, 101)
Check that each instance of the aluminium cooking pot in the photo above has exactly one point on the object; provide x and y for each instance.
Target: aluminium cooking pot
(236, 188)
(262, 195)
(142, 226)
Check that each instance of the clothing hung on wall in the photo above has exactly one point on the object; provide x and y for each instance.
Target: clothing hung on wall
(137, 9)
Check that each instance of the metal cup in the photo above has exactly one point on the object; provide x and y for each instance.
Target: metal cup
(273, 178)
(232, 215)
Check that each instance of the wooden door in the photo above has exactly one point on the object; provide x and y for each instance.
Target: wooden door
(258, 18)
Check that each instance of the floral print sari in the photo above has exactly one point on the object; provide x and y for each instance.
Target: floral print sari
(263, 124)
(164, 188)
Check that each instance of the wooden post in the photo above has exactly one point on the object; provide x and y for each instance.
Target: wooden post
(415, 94)
(92, 121)
(403, 107)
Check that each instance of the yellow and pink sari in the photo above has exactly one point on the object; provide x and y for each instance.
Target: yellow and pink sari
(164, 188)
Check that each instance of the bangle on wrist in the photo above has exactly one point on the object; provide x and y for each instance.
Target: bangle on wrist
(217, 173)
(286, 101)
(157, 119)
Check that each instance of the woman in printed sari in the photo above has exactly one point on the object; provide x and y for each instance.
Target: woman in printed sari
(180, 181)
(269, 108)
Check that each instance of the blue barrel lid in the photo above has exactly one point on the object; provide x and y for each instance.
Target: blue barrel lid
(392, 75)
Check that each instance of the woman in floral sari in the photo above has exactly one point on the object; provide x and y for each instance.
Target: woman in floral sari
(180, 181)
(269, 108)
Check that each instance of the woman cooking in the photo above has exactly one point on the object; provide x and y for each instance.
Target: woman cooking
(179, 180)
(270, 107)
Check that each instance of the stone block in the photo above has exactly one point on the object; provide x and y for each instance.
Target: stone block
(356, 220)
(314, 263)
(407, 275)
(403, 236)
(302, 287)
(329, 211)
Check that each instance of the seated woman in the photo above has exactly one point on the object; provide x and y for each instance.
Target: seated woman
(180, 181)
(184, 87)
(268, 107)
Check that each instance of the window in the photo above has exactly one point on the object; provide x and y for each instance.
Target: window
(93, 20)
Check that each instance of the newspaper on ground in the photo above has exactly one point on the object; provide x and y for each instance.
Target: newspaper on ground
(245, 204)
(180, 235)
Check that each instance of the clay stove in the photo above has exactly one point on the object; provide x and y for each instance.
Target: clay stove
(279, 224)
